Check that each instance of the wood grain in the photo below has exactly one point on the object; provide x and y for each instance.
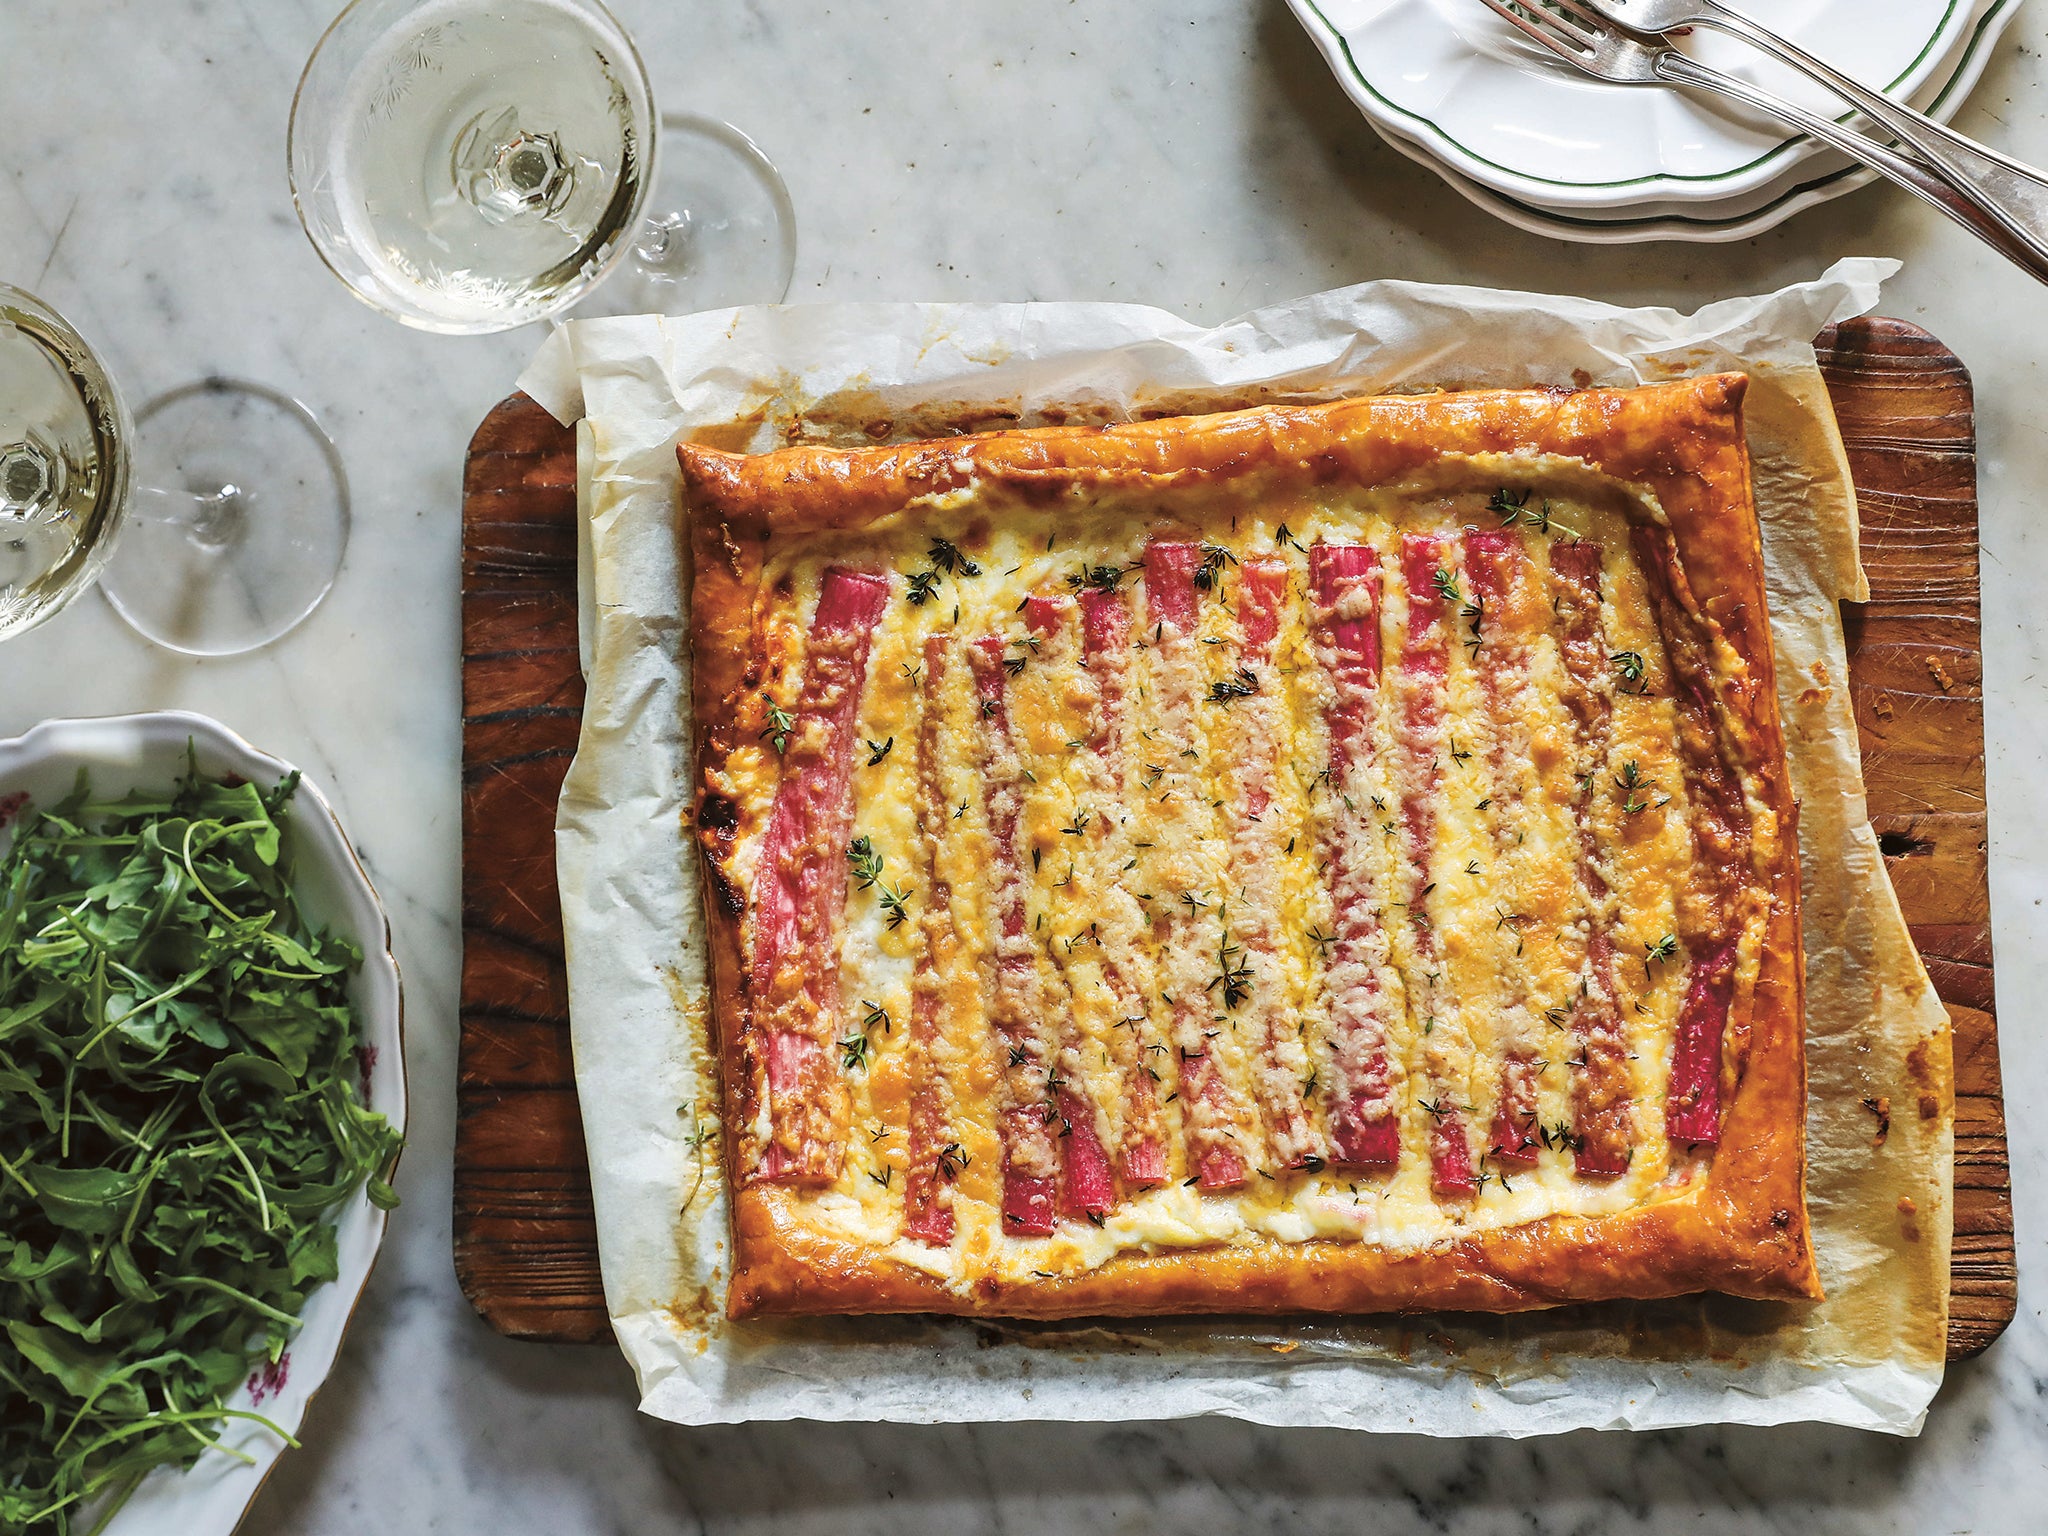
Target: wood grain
(1916, 673)
(525, 1237)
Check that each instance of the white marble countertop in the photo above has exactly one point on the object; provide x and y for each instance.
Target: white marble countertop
(1198, 157)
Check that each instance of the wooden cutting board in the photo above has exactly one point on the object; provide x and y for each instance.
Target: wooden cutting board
(525, 1237)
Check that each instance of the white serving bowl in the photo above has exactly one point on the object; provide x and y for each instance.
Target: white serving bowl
(147, 751)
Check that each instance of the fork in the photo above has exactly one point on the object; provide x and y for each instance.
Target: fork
(2014, 193)
(1599, 48)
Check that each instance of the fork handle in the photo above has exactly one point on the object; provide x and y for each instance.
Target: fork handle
(2009, 236)
(2013, 193)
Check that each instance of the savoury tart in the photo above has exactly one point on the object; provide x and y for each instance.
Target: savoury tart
(1310, 858)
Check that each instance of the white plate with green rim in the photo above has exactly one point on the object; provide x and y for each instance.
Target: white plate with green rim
(148, 751)
(1825, 176)
(1454, 79)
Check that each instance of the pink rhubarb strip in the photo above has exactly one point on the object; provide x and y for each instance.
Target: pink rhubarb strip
(1721, 834)
(1497, 575)
(1089, 1188)
(1027, 1050)
(1420, 674)
(800, 894)
(1365, 1125)
(933, 1160)
(1106, 652)
(1209, 1106)
(1257, 728)
(1692, 1110)
(1600, 1113)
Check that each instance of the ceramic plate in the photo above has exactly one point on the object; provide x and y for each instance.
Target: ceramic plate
(1827, 175)
(1460, 82)
(133, 751)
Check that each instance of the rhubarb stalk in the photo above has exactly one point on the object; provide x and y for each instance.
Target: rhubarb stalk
(1420, 673)
(1106, 654)
(1186, 899)
(933, 1161)
(1498, 612)
(1257, 724)
(1365, 1126)
(800, 893)
(1601, 1123)
(1026, 1049)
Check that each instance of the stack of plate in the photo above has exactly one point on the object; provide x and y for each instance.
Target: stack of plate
(1518, 132)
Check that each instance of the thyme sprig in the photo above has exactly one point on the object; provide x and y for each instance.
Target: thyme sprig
(700, 1136)
(1634, 786)
(946, 560)
(1096, 578)
(781, 723)
(946, 556)
(866, 862)
(1474, 613)
(1234, 972)
(1214, 558)
(1241, 684)
(1511, 508)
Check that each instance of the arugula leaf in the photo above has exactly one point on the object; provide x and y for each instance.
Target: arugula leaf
(80, 1371)
(87, 1200)
(181, 1112)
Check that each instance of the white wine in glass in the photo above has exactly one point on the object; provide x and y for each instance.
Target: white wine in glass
(472, 165)
(63, 462)
(229, 502)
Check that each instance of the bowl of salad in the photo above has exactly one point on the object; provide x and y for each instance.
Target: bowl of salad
(202, 1103)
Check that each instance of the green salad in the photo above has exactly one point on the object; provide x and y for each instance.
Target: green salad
(182, 1109)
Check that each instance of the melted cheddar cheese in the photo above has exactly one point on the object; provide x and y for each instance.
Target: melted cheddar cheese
(1189, 838)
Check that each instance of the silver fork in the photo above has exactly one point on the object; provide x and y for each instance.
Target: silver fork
(2014, 193)
(1598, 47)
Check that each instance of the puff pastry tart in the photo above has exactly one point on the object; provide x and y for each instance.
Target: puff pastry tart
(1331, 858)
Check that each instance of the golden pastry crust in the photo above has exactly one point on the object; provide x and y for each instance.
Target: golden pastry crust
(1739, 1225)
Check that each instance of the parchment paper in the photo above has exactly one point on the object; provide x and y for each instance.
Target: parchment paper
(750, 379)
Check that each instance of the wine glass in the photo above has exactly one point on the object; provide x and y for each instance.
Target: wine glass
(229, 501)
(472, 165)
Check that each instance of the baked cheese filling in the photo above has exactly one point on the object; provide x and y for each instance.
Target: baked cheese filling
(1337, 863)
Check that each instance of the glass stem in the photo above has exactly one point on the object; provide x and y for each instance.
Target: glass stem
(507, 171)
(665, 247)
(30, 482)
(212, 519)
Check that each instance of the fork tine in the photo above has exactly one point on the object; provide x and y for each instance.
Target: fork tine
(1574, 19)
(1544, 28)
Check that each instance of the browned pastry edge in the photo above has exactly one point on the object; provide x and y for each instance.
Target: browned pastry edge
(1742, 1230)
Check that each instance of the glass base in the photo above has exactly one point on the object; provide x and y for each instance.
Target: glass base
(241, 529)
(718, 229)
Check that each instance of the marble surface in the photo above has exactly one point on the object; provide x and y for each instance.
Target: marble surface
(1196, 156)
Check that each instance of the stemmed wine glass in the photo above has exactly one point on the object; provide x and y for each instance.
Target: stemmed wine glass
(229, 501)
(472, 165)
